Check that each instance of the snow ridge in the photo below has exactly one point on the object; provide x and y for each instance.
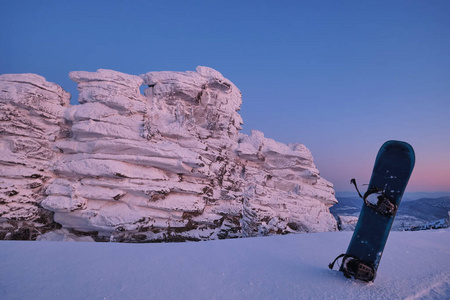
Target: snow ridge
(169, 165)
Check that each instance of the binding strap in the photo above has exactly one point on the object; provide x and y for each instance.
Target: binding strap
(331, 265)
(353, 267)
(385, 205)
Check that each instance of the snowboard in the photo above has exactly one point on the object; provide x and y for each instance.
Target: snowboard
(392, 170)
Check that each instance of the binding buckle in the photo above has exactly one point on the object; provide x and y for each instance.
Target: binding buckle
(356, 268)
(381, 203)
(353, 267)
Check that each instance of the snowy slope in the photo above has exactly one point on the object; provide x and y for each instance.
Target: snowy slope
(415, 265)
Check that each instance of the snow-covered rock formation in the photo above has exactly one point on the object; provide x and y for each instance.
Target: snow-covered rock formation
(31, 120)
(347, 223)
(167, 165)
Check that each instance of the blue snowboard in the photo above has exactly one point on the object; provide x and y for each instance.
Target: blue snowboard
(391, 173)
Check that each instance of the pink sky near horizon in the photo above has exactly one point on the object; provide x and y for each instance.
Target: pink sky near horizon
(430, 176)
(431, 171)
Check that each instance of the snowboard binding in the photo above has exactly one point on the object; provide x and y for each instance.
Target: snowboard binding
(353, 267)
(381, 203)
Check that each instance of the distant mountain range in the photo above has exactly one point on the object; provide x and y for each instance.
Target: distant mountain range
(407, 196)
(411, 213)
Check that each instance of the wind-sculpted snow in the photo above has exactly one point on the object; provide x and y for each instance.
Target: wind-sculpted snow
(167, 165)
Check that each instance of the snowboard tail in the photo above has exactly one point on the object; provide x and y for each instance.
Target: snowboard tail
(392, 170)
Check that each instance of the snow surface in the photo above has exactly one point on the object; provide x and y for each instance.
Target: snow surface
(415, 265)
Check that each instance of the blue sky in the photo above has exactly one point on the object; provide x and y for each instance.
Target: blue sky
(340, 77)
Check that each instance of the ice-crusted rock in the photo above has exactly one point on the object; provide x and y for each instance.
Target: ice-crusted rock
(63, 235)
(347, 223)
(31, 120)
(284, 182)
(167, 165)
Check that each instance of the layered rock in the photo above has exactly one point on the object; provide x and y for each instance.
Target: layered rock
(167, 165)
(283, 187)
(31, 120)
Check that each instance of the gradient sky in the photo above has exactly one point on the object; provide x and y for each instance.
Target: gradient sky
(341, 77)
